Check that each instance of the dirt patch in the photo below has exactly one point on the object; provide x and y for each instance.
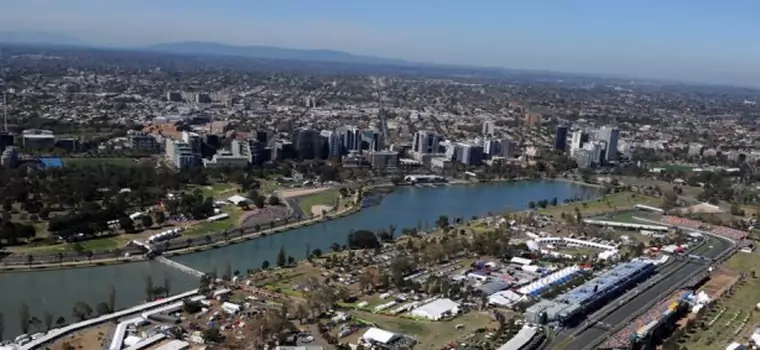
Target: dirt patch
(721, 279)
(90, 338)
(318, 209)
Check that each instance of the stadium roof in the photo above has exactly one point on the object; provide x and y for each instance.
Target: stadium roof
(602, 282)
(520, 339)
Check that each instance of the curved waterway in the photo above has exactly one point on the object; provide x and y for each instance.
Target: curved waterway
(57, 291)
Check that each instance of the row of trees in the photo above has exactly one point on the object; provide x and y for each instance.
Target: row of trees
(80, 311)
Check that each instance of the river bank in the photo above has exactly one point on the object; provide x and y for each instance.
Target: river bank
(356, 205)
(338, 213)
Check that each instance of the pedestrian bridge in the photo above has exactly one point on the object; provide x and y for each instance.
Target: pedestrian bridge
(178, 266)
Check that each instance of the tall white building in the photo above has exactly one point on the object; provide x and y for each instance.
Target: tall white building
(577, 141)
(180, 154)
(596, 150)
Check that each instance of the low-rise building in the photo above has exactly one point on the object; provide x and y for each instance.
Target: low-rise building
(38, 139)
(383, 159)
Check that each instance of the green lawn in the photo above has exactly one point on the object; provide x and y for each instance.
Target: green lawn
(217, 189)
(268, 186)
(96, 244)
(731, 310)
(431, 335)
(610, 203)
(217, 226)
(675, 166)
(85, 162)
(327, 197)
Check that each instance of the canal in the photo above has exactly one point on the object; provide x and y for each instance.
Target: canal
(57, 291)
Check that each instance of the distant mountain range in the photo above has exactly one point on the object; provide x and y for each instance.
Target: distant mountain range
(210, 48)
(22, 37)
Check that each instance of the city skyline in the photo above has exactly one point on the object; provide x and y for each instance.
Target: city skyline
(695, 41)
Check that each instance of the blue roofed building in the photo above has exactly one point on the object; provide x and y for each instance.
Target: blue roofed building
(581, 300)
(51, 162)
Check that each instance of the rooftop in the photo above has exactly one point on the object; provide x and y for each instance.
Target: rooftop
(603, 282)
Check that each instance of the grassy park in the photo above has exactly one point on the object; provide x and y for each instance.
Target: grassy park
(431, 335)
(90, 162)
(218, 189)
(733, 316)
(327, 197)
(607, 204)
(204, 227)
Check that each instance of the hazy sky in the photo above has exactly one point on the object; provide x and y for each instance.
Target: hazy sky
(696, 40)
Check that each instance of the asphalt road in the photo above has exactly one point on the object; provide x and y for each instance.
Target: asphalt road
(678, 272)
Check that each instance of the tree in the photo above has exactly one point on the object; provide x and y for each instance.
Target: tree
(112, 298)
(35, 322)
(60, 321)
(147, 221)
(24, 317)
(363, 239)
(160, 218)
(167, 285)
(2, 325)
(149, 288)
(259, 201)
(82, 311)
(669, 200)
(102, 309)
(212, 335)
(265, 264)
(281, 257)
(127, 224)
(47, 317)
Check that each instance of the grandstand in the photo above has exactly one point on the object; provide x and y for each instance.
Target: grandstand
(572, 306)
(660, 318)
(727, 232)
(560, 277)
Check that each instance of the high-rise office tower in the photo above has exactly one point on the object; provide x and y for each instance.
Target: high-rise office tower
(577, 141)
(560, 138)
(426, 142)
(610, 136)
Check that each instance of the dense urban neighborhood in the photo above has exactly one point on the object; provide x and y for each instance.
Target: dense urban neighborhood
(158, 200)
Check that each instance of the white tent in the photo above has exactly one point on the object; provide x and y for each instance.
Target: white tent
(237, 199)
(378, 335)
(437, 309)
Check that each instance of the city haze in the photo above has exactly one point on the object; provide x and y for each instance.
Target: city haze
(695, 41)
